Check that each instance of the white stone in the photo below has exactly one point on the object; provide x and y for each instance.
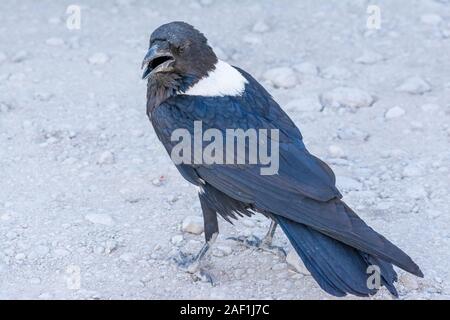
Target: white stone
(307, 68)
(98, 58)
(192, 224)
(54, 42)
(100, 218)
(347, 183)
(430, 107)
(369, 57)
(296, 263)
(409, 281)
(349, 133)
(346, 97)
(336, 151)
(394, 112)
(304, 105)
(2, 57)
(432, 19)
(226, 250)
(177, 240)
(260, 27)
(416, 192)
(107, 157)
(20, 56)
(414, 85)
(412, 170)
(282, 77)
(336, 72)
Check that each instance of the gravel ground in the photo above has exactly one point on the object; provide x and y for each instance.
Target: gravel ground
(91, 206)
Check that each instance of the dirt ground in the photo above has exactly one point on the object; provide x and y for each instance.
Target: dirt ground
(90, 203)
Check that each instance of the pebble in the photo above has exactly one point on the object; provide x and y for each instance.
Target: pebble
(177, 240)
(2, 57)
(282, 77)
(192, 224)
(416, 192)
(412, 170)
(20, 56)
(431, 19)
(414, 85)
(304, 105)
(226, 250)
(347, 183)
(54, 42)
(350, 133)
(430, 107)
(100, 218)
(369, 57)
(394, 112)
(336, 73)
(107, 157)
(98, 58)
(336, 151)
(307, 68)
(260, 27)
(409, 281)
(127, 257)
(346, 97)
(293, 260)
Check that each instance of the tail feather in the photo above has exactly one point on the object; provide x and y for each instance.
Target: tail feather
(338, 268)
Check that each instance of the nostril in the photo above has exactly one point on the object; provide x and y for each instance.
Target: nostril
(159, 60)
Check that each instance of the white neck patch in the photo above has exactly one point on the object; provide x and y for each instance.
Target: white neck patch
(224, 80)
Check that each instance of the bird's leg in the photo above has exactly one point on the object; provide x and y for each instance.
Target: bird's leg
(193, 264)
(265, 244)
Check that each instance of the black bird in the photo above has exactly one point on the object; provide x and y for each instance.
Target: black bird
(187, 83)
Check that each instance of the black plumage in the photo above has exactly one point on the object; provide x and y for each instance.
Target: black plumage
(333, 242)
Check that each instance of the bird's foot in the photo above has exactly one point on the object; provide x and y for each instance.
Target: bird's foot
(191, 264)
(264, 245)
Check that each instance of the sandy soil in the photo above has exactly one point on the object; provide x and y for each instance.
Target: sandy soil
(90, 204)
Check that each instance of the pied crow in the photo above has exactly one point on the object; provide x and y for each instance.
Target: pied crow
(188, 84)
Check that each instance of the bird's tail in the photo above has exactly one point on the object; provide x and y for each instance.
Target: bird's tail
(338, 268)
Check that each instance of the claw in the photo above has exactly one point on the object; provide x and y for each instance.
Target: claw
(264, 245)
(188, 263)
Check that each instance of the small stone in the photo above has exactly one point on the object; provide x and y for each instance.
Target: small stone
(336, 72)
(20, 256)
(346, 97)
(352, 134)
(307, 68)
(416, 192)
(20, 56)
(430, 107)
(106, 157)
(282, 77)
(100, 218)
(394, 112)
(61, 252)
(260, 27)
(347, 183)
(40, 251)
(54, 42)
(98, 58)
(296, 263)
(336, 151)
(226, 250)
(304, 105)
(177, 240)
(414, 85)
(431, 19)
(3, 57)
(128, 257)
(192, 224)
(369, 57)
(434, 213)
(411, 170)
(409, 281)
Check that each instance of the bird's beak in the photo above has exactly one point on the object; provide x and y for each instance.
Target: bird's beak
(157, 59)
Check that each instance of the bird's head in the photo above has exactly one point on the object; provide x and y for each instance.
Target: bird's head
(177, 53)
